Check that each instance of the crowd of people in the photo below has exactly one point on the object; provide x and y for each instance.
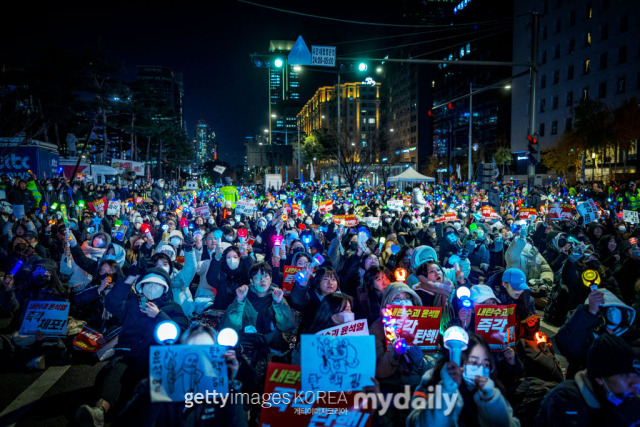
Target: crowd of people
(190, 257)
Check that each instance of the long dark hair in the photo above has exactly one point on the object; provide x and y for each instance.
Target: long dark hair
(317, 278)
(330, 305)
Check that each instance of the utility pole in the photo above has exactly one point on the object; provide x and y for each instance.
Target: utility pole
(533, 86)
(470, 135)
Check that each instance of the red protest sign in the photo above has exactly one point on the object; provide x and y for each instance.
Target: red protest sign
(99, 205)
(527, 213)
(286, 405)
(488, 212)
(560, 211)
(448, 217)
(497, 325)
(288, 277)
(417, 325)
(346, 220)
(326, 206)
(406, 200)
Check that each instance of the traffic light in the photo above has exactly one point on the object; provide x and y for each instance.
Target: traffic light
(532, 149)
(266, 60)
(356, 66)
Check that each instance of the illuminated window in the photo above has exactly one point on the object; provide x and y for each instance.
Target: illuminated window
(588, 11)
(621, 85)
(587, 39)
(586, 66)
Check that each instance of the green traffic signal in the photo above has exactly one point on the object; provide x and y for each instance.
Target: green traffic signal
(362, 66)
(278, 62)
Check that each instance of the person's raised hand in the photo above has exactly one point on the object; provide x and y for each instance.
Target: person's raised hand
(241, 293)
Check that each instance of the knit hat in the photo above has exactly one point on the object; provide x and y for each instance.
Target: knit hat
(422, 254)
(611, 355)
(176, 233)
(153, 275)
(169, 250)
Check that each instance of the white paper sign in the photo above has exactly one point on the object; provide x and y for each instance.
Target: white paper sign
(588, 210)
(341, 363)
(114, 207)
(18, 211)
(372, 221)
(219, 169)
(203, 211)
(177, 370)
(357, 327)
(395, 205)
(245, 207)
(49, 317)
(630, 216)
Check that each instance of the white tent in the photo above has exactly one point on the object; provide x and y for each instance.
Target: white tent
(411, 175)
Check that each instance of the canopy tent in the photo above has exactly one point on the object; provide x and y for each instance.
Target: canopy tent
(411, 175)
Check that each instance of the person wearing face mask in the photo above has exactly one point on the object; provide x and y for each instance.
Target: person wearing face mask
(605, 393)
(227, 272)
(307, 296)
(157, 193)
(90, 301)
(130, 363)
(404, 227)
(262, 306)
(480, 397)
(369, 294)
(608, 251)
(476, 244)
(602, 313)
(393, 370)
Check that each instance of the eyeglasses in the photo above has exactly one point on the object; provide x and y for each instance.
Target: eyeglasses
(474, 361)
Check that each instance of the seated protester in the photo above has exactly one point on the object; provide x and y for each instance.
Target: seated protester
(369, 294)
(228, 270)
(602, 313)
(557, 250)
(423, 254)
(306, 296)
(433, 288)
(335, 309)
(536, 352)
(32, 238)
(608, 251)
(20, 251)
(140, 410)
(510, 287)
(606, 393)
(90, 301)
(479, 395)
(130, 363)
(393, 370)
(181, 279)
(261, 308)
(523, 255)
(475, 244)
(300, 259)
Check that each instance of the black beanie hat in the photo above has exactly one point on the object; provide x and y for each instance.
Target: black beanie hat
(611, 355)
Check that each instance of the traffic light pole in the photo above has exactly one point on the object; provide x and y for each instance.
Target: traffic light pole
(533, 84)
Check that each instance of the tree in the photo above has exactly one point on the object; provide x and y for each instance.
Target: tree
(503, 157)
(564, 157)
(626, 126)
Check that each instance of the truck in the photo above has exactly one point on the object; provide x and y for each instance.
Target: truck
(20, 157)
(98, 174)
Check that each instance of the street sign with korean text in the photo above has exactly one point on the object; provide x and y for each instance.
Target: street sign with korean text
(323, 56)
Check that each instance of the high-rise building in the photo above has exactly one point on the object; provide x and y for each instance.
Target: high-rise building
(167, 86)
(587, 50)
(204, 144)
(284, 92)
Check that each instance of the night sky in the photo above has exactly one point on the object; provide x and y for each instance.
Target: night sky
(208, 42)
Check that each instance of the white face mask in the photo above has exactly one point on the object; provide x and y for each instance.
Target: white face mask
(164, 267)
(387, 220)
(402, 302)
(175, 241)
(233, 263)
(308, 221)
(472, 371)
(153, 291)
(341, 318)
(622, 229)
(232, 223)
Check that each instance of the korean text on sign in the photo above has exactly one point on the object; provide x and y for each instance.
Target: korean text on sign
(497, 325)
(418, 325)
(49, 317)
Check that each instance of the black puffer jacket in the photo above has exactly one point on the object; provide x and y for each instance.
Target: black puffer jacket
(225, 281)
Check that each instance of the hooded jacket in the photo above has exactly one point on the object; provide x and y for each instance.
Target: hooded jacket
(225, 281)
(389, 370)
(138, 329)
(157, 195)
(422, 254)
(576, 336)
(529, 260)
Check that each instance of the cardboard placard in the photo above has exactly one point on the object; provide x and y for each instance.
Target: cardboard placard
(489, 213)
(245, 207)
(406, 200)
(18, 211)
(177, 370)
(448, 217)
(288, 277)
(371, 221)
(395, 205)
(325, 206)
(417, 325)
(49, 317)
(527, 213)
(288, 406)
(343, 363)
(92, 341)
(357, 327)
(560, 211)
(497, 325)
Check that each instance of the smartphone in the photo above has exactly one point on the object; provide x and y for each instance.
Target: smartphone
(143, 302)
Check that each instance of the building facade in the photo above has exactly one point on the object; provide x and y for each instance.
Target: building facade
(204, 143)
(167, 85)
(284, 93)
(587, 50)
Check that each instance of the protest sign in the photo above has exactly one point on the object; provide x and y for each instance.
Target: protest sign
(406, 200)
(326, 206)
(18, 211)
(346, 220)
(527, 213)
(357, 327)
(204, 211)
(560, 211)
(340, 363)
(448, 217)
(589, 211)
(49, 317)
(91, 340)
(288, 277)
(417, 325)
(245, 207)
(371, 221)
(489, 213)
(177, 370)
(395, 205)
(286, 405)
(630, 216)
(113, 207)
(497, 325)
(99, 205)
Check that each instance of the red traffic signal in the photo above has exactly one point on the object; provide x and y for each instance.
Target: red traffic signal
(532, 139)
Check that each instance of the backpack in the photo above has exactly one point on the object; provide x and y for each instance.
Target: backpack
(555, 313)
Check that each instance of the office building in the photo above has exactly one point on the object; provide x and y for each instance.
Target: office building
(284, 93)
(204, 144)
(167, 86)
